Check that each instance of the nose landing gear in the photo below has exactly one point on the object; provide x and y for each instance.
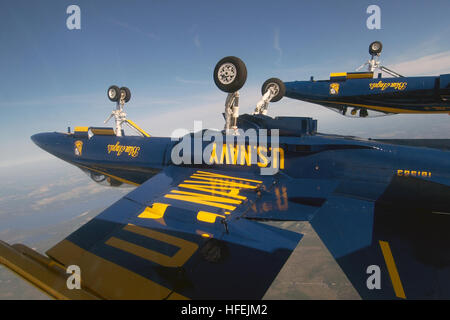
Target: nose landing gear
(121, 96)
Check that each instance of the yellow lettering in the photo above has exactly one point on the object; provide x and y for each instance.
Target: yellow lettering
(233, 154)
(211, 181)
(262, 157)
(186, 250)
(221, 176)
(414, 173)
(156, 211)
(384, 85)
(213, 158)
(281, 205)
(209, 217)
(223, 154)
(278, 153)
(207, 200)
(132, 151)
(233, 192)
(246, 156)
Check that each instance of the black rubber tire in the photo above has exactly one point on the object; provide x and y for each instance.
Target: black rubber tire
(97, 177)
(113, 182)
(234, 82)
(127, 93)
(115, 93)
(375, 48)
(363, 113)
(281, 88)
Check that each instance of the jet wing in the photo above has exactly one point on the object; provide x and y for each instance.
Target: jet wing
(179, 235)
(389, 237)
(202, 234)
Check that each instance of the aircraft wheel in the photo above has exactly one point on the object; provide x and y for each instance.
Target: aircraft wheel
(113, 93)
(126, 92)
(230, 74)
(113, 182)
(363, 113)
(277, 85)
(375, 48)
(97, 177)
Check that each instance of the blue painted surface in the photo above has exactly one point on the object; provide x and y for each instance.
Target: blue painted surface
(420, 94)
(350, 190)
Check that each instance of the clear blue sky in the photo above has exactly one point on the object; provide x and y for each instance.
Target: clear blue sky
(163, 50)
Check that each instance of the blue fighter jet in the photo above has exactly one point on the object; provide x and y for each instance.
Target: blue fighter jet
(198, 225)
(363, 94)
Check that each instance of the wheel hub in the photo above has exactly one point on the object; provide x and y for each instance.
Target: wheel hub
(226, 73)
(275, 88)
(112, 93)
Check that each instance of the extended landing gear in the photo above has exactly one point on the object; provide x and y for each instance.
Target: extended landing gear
(375, 48)
(363, 113)
(115, 94)
(121, 96)
(229, 76)
(272, 90)
(374, 63)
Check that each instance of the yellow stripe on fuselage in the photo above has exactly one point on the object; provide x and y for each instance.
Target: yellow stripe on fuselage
(378, 108)
(103, 132)
(338, 74)
(81, 129)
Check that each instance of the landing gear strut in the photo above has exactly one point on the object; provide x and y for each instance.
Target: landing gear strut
(229, 76)
(121, 96)
(272, 90)
(374, 63)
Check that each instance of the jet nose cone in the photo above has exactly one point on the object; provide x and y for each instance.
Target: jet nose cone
(39, 139)
(58, 144)
(303, 89)
(48, 141)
